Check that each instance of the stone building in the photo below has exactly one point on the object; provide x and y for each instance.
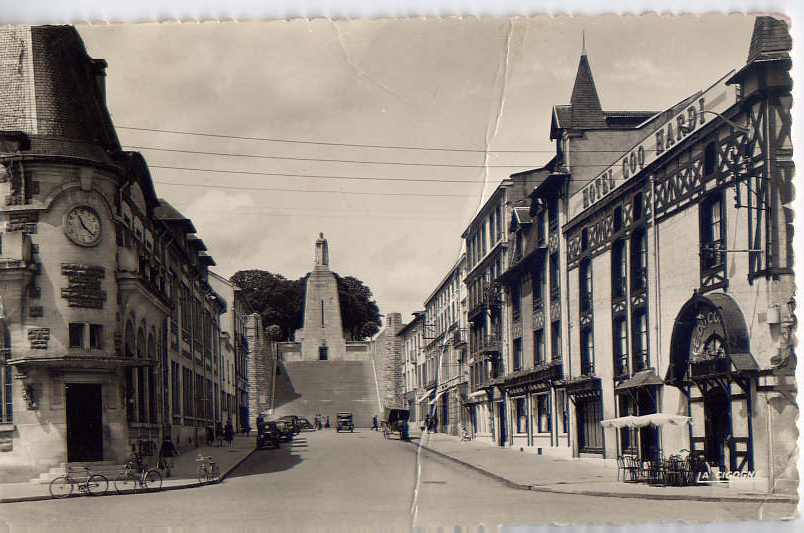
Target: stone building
(110, 328)
(411, 339)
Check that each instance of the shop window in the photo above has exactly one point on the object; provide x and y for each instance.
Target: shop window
(587, 352)
(639, 323)
(95, 337)
(517, 354)
(521, 415)
(590, 433)
(620, 347)
(586, 285)
(562, 416)
(538, 347)
(543, 422)
(77, 335)
(639, 260)
(710, 158)
(555, 341)
(712, 230)
(619, 269)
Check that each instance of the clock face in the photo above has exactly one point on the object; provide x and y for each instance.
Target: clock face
(82, 225)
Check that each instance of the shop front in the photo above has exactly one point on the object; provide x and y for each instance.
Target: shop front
(712, 365)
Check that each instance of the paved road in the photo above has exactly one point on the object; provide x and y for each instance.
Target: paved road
(327, 481)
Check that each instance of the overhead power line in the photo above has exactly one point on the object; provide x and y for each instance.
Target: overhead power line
(327, 191)
(323, 160)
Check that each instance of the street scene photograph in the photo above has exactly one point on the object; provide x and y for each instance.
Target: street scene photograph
(457, 275)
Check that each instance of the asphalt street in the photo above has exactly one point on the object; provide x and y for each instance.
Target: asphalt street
(328, 481)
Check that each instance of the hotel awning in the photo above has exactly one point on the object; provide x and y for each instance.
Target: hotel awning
(657, 419)
(644, 378)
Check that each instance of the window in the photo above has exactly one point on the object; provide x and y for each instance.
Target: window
(584, 239)
(617, 219)
(492, 230)
(590, 432)
(586, 285)
(76, 335)
(540, 238)
(516, 299)
(555, 340)
(538, 347)
(710, 158)
(619, 270)
(499, 222)
(639, 260)
(554, 287)
(6, 388)
(587, 352)
(627, 440)
(637, 206)
(537, 286)
(521, 413)
(517, 354)
(620, 347)
(640, 336)
(482, 240)
(543, 422)
(712, 232)
(175, 393)
(95, 337)
(552, 213)
(562, 417)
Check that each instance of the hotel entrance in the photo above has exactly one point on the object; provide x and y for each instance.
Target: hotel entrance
(84, 416)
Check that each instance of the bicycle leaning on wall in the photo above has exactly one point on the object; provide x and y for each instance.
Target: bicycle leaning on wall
(89, 483)
(134, 477)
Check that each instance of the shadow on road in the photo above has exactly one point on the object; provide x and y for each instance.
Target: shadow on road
(269, 461)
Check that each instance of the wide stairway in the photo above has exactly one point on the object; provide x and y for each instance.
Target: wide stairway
(307, 388)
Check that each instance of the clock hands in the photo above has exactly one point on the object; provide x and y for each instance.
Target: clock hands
(81, 219)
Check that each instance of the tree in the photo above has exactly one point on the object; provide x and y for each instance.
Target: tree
(280, 301)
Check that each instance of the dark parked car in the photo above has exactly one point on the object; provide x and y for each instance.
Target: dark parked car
(285, 430)
(293, 421)
(270, 436)
(305, 424)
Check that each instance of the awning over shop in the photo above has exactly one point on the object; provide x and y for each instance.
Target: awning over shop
(657, 419)
(644, 378)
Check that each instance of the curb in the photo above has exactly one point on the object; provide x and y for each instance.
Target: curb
(191, 485)
(604, 494)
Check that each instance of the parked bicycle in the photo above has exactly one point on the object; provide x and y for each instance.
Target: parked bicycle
(92, 484)
(207, 468)
(133, 478)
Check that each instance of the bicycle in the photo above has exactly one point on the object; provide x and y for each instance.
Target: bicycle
(207, 469)
(93, 484)
(133, 478)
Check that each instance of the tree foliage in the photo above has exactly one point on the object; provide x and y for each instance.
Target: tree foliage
(280, 301)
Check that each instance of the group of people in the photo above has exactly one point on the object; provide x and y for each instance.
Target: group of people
(321, 422)
(220, 433)
(430, 423)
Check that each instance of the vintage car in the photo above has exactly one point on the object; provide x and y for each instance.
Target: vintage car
(285, 430)
(345, 422)
(270, 436)
(305, 424)
(293, 421)
(395, 421)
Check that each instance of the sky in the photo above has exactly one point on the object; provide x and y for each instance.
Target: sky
(482, 87)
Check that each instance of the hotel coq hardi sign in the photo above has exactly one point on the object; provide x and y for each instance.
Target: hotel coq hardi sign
(716, 99)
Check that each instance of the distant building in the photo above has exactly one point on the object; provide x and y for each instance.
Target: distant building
(411, 336)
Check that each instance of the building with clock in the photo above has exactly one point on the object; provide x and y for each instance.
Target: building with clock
(110, 329)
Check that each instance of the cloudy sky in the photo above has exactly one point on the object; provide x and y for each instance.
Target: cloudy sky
(350, 90)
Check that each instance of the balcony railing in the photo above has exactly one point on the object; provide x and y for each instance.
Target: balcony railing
(489, 344)
(710, 366)
(458, 337)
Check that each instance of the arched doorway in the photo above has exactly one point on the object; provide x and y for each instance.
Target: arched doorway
(711, 362)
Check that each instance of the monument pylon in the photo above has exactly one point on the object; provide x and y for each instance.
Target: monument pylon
(322, 335)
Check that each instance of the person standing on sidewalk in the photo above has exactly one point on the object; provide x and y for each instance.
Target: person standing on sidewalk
(260, 425)
(374, 425)
(229, 432)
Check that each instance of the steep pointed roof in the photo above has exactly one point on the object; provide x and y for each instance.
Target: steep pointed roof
(585, 104)
(770, 39)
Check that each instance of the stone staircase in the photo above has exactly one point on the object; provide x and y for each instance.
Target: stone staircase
(100, 467)
(305, 388)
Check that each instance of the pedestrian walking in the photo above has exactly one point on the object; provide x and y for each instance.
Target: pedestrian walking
(260, 425)
(327, 424)
(374, 425)
(229, 432)
(317, 422)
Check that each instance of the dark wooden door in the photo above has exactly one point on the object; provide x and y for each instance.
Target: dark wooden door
(84, 422)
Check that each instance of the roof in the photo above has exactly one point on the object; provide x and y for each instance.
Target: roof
(167, 213)
(770, 38)
(585, 109)
(195, 241)
(644, 378)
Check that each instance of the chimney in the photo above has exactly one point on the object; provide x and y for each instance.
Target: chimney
(99, 71)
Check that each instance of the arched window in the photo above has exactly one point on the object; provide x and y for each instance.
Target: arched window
(130, 348)
(152, 380)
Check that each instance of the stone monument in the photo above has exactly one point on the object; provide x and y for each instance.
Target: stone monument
(322, 334)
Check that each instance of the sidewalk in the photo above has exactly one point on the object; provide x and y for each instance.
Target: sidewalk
(183, 473)
(528, 471)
